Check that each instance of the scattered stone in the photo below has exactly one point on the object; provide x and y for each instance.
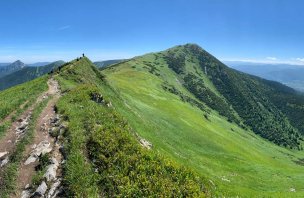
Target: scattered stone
(27, 186)
(23, 125)
(63, 152)
(225, 179)
(25, 194)
(51, 170)
(292, 190)
(54, 120)
(40, 191)
(96, 97)
(109, 104)
(3, 154)
(42, 148)
(54, 189)
(32, 158)
(145, 143)
(4, 161)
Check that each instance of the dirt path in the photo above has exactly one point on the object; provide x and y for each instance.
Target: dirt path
(17, 130)
(43, 143)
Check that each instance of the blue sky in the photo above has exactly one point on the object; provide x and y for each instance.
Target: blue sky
(48, 30)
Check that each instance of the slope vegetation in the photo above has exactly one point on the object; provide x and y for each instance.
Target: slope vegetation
(207, 119)
(103, 152)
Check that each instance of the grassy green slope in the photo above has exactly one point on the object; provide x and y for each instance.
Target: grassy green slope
(237, 161)
(243, 98)
(100, 140)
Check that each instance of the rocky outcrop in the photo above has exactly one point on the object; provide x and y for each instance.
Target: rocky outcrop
(96, 97)
(50, 174)
(145, 143)
(42, 148)
(3, 154)
(50, 186)
(41, 190)
(55, 189)
(22, 127)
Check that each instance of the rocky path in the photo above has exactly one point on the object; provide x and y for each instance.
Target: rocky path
(47, 135)
(17, 130)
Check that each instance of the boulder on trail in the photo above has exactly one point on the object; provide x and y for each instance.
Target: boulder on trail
(3, 154)
(41, 149)
(50, 173)
(25, 194)
(4, 161)
(53, 192)
(40, 191)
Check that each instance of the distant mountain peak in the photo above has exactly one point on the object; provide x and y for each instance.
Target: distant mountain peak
(17, 63)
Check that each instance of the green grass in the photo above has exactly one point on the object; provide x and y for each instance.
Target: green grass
(12, 98)
(216, 149)
(100, 140)
(9, 173)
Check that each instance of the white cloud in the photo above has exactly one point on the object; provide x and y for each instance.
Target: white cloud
(271, 58)
(64, 27)
(300, 59)
(290, 61)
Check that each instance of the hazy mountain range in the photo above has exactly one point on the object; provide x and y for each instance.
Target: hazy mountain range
(291, 75)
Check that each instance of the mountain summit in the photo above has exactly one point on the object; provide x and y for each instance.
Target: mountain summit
(8, 69)
(17, 64)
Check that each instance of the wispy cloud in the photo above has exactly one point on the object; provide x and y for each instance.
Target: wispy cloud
(300, 59)
(64, 27)
(271, 58)
(290, 61)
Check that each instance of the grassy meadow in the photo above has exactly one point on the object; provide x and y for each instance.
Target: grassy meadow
(236, 161)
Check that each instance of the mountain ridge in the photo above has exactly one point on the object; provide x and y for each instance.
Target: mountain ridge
(172, 120)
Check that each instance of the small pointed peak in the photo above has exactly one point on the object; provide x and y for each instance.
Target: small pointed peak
(18, 63)
(192, 45)
(188, 46)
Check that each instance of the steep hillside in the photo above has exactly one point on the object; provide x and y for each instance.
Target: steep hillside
(26, 74)
(101, 140)
(253, 99)
(8, 69)
(197, 120)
